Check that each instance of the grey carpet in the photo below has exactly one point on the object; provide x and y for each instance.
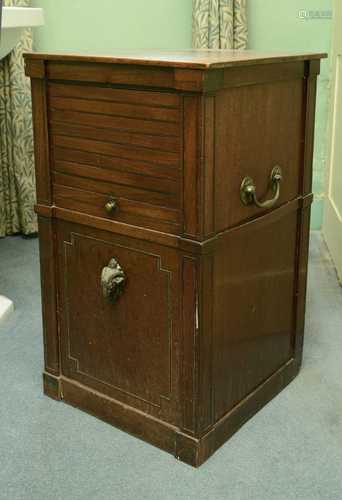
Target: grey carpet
(291, 450)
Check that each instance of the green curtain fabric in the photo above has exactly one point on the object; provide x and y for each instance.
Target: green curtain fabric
(219, 24)
(17, 178)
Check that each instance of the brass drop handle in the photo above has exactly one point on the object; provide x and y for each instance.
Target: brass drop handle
(113, 281)
(111, 206)
(248, 190)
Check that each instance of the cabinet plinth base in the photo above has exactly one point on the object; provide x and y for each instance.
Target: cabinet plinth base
(52, 386)
(186, 448)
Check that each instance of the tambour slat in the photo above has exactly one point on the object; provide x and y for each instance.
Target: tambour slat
(171, 144)
(102, 93)
(106, 148)
(168, 200)
(109, 163)
(168, 129)
(116, 109)
(124, 178)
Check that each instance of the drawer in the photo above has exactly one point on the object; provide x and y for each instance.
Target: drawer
(257, 128)
(117, 144)
(120, 305)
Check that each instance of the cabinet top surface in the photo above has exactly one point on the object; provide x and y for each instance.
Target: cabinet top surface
(191, 58)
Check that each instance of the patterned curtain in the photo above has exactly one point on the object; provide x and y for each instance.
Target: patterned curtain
(219, 24)
(17, 179)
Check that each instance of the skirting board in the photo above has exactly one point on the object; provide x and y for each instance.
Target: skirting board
(332, 232)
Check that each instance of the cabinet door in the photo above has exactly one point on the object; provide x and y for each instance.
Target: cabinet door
(119, 325)
(256, 293)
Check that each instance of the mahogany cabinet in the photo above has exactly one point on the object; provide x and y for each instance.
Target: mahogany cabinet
(173, 195)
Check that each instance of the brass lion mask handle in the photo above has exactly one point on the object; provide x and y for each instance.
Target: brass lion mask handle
(113, 280)
(248, 190)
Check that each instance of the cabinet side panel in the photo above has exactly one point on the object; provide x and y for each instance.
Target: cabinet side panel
(257, 128)
(254, 311)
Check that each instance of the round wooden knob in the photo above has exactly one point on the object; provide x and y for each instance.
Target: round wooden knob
(111, 206)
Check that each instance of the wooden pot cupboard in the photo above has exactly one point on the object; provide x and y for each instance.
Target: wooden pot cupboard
(173, 195)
